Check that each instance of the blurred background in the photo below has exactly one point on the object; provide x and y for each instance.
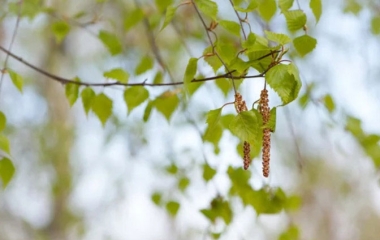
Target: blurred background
(136, 179)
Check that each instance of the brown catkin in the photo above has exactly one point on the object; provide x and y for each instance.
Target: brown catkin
(241, 106)
(247, 156)
(265, 111)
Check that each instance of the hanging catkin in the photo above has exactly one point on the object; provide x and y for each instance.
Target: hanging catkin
(241, 106)
(264, 110)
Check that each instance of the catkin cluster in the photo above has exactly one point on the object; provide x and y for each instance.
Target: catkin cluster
(265, 112)
(241, 106)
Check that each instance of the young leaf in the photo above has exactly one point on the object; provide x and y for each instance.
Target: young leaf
(16, 79)
(245, 126)
(3, 121)
(286, 84)
(145, 64)
(251, 40)
(7, 171)
(156, 198)
(304, 44)
(295, 19)
(231, 26)
(111, 42)
(134, 96)
(4, 144)
(316, 7)
(183, 183)
(208, 172)
(291, 233)
(102, 107)
(213, 136)
(166, 103)
(163, 4)
(224, 85)
(285, 4)
(208, 7)
(148, 110)
(169, 15)
(329, 103)
(282, 39)
(172, 207)
(72, 92)
(190, 72)
(213, 117)
(87, 96)
(118, 74)
(60, 30)
(375, 25)
(212, 59)
(267, 9)
(132, 18)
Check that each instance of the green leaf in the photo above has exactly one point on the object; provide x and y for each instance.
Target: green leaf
(148, 110)
(118, 74)
(167, 103)
(172, 207)
(169, 15)
(251, 40)
(213, 117)
(172, 169)
(158, 78)
(295, 19)
(291, 233)
(156, 198)
(316, 7)
(304, 44)
(207, 7)
(72, 91)
(60, 30)
(183, 183)
(226, 50)
(219, 209)
(134, 96)
(246, 127)
(163, 4)
(212, 59)
(208, 172)
(375, 25)
(16, 79)
(353, 6)
(329, 103)
(133, 18)
(213, 136)
(280, 38)
(267, 9)
(285, 4)
(7, 171)
(102, 107)
(284, 80)
(111, 42)
(231, 26)
(4, 144)
(224, 85)
(190, 72)
(87, 96)
(3, 121)
(253, 4)
(145, 64)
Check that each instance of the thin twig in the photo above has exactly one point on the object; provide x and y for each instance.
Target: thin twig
(144, 83)
(292, 132)
(11, 43)
(153, 44)
(211, 42)
(240, 21)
